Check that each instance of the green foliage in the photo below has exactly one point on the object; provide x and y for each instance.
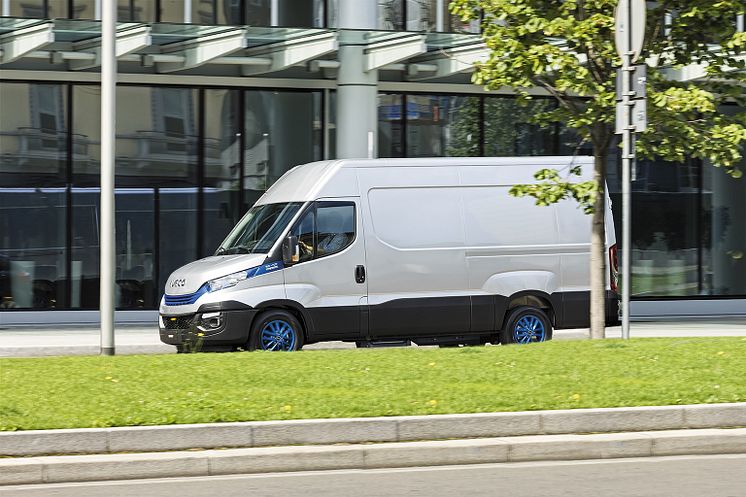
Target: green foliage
(567, 49)
(552, 188)
(77, 392)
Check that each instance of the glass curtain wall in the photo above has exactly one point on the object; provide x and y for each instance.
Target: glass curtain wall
(127, 10)
(49, 9)
(417, 125)
(156, 179)
(33, 198)
(282, 129)
(421, 15)
(291, 13)
(189, 163)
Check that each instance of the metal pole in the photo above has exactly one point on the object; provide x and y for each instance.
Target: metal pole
(188, 11)
(626, 197)
(274, 13)
(108, 137)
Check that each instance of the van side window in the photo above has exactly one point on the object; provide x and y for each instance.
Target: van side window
(304, 230)
(335, 227)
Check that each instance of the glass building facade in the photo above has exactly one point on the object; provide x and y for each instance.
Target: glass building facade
(189, 163)
(193, 155)
(397, 15)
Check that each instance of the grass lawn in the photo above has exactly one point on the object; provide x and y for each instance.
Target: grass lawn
(71, 392)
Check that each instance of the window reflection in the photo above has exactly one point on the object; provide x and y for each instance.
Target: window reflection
(156, 171)
(442, 125)
(390, 126)
(32, 195)
(282, 130)
(172, 11)
(127, 10)
(32, 258)
(509, 131)
(391, 15)
(222, 165)
(49, 9)
(421, 15)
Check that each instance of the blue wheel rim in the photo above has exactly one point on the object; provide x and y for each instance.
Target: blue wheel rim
(278, 335)
(530, 328)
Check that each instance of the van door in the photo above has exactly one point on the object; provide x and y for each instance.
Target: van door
(415, 251)
(330, 278)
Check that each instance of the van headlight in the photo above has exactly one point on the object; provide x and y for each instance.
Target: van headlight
(226, 281)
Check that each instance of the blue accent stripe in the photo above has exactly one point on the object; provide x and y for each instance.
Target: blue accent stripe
(266, 268)
(187, 299)
(191, 298)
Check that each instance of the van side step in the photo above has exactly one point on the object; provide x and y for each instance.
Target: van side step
(365, 344)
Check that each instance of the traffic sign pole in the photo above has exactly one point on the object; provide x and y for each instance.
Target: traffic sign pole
(631, 117)
(627, 157)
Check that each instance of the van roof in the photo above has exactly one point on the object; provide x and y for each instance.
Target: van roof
(559, 160)
(308, 181)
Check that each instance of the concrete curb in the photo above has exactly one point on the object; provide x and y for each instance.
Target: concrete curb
(365, 430)
(58, 469)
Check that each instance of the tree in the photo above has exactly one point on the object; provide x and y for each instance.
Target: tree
(567, 49)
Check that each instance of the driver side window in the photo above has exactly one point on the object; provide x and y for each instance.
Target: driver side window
(327, 228)
(305, 231)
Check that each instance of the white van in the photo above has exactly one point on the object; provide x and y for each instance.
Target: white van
(432, 251)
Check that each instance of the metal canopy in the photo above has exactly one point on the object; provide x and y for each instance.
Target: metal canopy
(392, 49)
(15, 43)
(298, 50)
(74, 44)
(194, 53)
(129, 39)
(447, 62)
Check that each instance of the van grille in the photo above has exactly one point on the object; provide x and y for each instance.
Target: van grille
(186, 299)
(178, 322)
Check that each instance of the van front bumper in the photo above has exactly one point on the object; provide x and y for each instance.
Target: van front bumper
(220, 328)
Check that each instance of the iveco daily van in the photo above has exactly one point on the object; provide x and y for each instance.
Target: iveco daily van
(429, 250)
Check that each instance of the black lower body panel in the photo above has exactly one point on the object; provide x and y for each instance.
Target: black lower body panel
(573, 309)
(420, 317)
(233, 330)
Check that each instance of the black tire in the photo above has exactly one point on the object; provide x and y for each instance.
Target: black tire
(286, 330)
(526, 324)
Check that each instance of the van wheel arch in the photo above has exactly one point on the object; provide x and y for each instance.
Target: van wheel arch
(532, 298)
(295, 309)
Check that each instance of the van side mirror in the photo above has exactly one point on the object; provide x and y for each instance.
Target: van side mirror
(290, 250)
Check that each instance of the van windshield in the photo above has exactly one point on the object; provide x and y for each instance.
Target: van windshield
(259, 229)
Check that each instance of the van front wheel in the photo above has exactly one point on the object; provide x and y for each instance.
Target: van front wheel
(276, 331)
(525, 325)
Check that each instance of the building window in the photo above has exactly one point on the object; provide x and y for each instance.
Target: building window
(282, 130)
(33, 197)
(42, 9)
(509, 131)
(442, 125)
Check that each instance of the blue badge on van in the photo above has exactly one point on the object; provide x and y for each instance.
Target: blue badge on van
(266, 268)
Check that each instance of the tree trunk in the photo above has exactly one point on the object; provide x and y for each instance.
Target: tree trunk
(598, 247)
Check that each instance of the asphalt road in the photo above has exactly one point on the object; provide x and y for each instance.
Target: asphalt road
(684, 476)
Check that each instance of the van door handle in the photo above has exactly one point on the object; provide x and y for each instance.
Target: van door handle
(360, 274)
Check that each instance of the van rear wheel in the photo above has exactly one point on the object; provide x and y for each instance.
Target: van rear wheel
(526, 324)
(276, 331)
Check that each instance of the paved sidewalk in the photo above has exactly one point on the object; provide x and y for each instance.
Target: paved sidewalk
(68, 340)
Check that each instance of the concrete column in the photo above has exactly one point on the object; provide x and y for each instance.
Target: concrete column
(357, 89)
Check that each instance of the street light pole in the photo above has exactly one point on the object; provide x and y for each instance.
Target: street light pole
(626, 187)
(108, 138)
